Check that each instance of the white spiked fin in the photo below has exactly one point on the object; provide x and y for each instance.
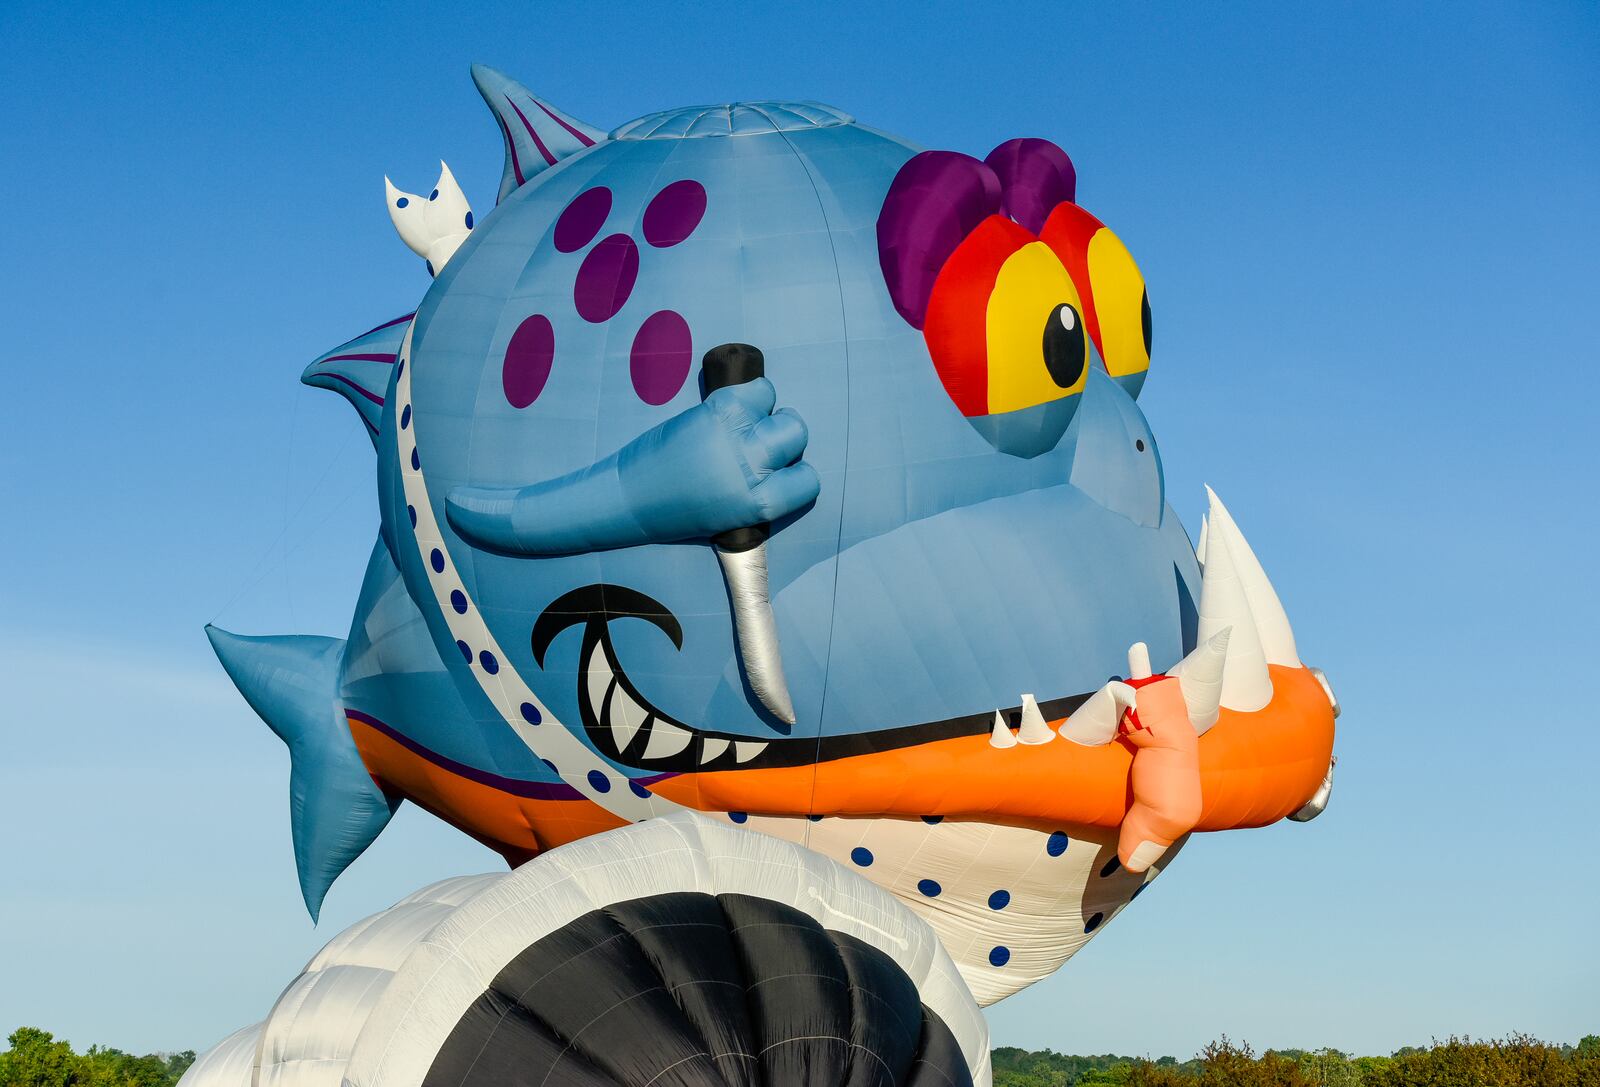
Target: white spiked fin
(1034, 730)
(1139, 661)
(1200, 676)
(1246, 683)
(1200, 544)
(1095, 722)
(433, 226)
(1001, 735)
(1272, 622)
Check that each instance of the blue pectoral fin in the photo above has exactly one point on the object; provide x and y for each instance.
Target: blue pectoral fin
(359, 370)
(336, 810)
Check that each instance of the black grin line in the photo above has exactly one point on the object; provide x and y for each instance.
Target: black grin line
(624, 726)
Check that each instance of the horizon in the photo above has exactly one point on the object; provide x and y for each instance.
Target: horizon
(1370, 243)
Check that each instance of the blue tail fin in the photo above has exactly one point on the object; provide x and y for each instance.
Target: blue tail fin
(336, 810)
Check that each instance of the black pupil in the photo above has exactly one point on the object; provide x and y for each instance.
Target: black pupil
(1144, 319)
(1065, 350)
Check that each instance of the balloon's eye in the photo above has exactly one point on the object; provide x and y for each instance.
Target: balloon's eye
(1145, 318)
(1066, 348)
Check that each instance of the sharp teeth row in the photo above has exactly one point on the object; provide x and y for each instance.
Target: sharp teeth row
(1095, 722)
(619, 712)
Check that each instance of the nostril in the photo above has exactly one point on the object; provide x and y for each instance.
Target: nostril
(1138, 443)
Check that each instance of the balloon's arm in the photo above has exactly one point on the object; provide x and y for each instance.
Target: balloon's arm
(1165, 776)
(728, 463)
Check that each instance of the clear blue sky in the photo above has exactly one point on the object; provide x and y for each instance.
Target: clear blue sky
(1370, 233)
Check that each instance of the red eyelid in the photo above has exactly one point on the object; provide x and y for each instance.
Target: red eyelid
(956, 330)
(1068, 232)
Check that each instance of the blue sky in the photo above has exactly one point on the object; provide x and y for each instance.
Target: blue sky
(1370, 234)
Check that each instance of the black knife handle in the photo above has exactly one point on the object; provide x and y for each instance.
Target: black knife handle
(724, 365)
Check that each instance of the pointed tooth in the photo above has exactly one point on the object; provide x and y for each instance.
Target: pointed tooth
(1034, 730)
(1139, 661)
(598, 680)
(1001, 735)
(744, 751)
(711, 747)
(1095, 722)
(1200, 676)
(1272, 622)
(1200, 544)
(1246, 683)
(666, 740)
(626, 717)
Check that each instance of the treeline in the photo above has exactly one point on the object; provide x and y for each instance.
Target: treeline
(36, 1059)
(1514, 1061)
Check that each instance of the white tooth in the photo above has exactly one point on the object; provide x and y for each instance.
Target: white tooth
(1200, 676)
(711, 748)
(599, 679)
(1095, 722)
(1272, 622)
(1138, 661)
(1200, 544)
(1246, 683)
(1033, 730)
(666, 740)
(626, 717)
(1001, 735)
(744, 752)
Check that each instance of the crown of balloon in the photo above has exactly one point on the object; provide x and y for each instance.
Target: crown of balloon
(433, 226)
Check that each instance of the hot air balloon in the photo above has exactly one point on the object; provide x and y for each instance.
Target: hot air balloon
(675, 952)
(747, 460)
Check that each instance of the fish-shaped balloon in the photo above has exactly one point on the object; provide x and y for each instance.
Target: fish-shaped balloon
(746, 459)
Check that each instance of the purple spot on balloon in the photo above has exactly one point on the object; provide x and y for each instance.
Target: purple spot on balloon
(582, 219)
(605, 279)
(662, 355)
(528, 357)
(674, 212)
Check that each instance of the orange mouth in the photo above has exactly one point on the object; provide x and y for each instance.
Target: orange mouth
(1255, 768)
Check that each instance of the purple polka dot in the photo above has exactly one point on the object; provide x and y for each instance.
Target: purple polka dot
(528, 358)
(662, 355)
(674, 212)
(582, 219)
(605, 279)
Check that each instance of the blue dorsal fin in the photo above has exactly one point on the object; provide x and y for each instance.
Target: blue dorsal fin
(359, 370)
(537, 134)
(335, 808)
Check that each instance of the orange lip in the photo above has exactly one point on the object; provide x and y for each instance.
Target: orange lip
(1255, 769)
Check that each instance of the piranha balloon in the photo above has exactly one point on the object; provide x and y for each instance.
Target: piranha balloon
(745, 459)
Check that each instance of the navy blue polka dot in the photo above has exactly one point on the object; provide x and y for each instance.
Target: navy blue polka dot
(929, 887)
(1093, 923)
(551, 767)
(815, 818)
(405, 416)
(429, 263)
(862, 856)
(1057, 843)
(530, 713)
(458, 601)
(490, 665)
(434, 195)
(638, 790)
(599, 782)
(398, 370)
(416, 461)
(402, 202)
(999, 900)
(436, 560)
(933, 820)
(469, 220)
(411, 512)
(1111, 866)
(466, 651)
(999, 956)
(738, 816)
